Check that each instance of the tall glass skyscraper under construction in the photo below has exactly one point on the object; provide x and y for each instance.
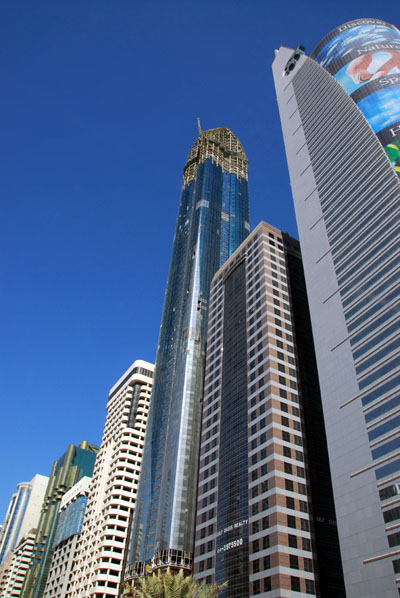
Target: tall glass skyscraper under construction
(212, 222)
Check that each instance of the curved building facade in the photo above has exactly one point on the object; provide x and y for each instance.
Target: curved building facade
(212, 222)
(364, 57)
(347, 199)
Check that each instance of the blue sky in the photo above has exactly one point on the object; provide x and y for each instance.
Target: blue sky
(98, 113)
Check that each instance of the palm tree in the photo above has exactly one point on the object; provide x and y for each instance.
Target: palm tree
(172, 585)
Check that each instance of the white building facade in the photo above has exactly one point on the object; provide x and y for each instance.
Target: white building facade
(340, 114)
(101, 550)
(69, 526)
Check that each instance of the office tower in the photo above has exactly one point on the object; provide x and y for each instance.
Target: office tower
(340, 113)
(212, 222)
(69, 526)
(76, 463)
(22, 514)
(100, 556)
(265, 514)
(18, 563)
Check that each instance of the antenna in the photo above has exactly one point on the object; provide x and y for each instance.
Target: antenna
(199, 125)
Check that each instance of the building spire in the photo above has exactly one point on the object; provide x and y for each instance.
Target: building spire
(199, 125)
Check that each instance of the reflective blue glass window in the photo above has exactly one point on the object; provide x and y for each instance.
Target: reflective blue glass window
(392, 424)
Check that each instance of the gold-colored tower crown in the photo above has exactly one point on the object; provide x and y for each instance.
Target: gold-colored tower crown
(223, 147)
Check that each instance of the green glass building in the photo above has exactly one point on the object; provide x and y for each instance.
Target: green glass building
(74, 464)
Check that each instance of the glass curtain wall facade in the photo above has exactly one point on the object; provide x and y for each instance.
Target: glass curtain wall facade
(346, 192)
(212, 221)
(14, 517)
(22, 514)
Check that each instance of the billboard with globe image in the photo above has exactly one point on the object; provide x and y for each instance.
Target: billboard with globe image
(364, 57)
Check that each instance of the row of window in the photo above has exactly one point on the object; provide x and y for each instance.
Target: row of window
(265, 585)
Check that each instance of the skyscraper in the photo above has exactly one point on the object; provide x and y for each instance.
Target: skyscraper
(212, 222)
(69, 526)
(13, 576)
(23, 513)
(100, 556)
(265, 514)
(340, 113)
(76, 463)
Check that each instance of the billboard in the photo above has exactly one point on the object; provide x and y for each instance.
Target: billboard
(364, 57)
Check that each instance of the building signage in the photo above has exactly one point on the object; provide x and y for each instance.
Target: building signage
(364, 57)
(232, 526)
(233, 544)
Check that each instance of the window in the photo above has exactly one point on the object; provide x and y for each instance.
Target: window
(289, 485)
(310, 586)
(391, 515)
(256, 587)
(256, 546)
(254, 527)
(299, 456)
(305, 525)
(295, 584)
(291, 521)
(292, 541)
(303, 506)
(288, 467)
(265, 522)
(290, 502)
(294, 561)
(256, 566)
(267, 584)
(287, 452)
(202, 548)
(267, 562)
(396, 566)
(306, 544)
(266, 542)
(307, 564)
(301, 488)
(394, 539)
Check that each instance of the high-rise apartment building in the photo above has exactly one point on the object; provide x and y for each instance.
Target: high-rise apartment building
(212, 222)
(69, 526)
(13, 576)
(265, 514)
(100, 555)
(23, 513)
(76, 463)
(340, 113)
